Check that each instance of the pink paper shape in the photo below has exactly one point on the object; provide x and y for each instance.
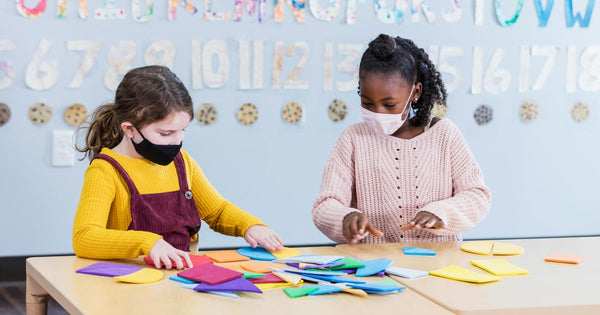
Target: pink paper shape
(209, 273)
(268, 278)
(197, 260)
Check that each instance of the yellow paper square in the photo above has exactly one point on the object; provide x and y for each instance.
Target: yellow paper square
(499, 267)
(145, 275)
(461, 274)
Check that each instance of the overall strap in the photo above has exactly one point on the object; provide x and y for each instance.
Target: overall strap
(181, 174)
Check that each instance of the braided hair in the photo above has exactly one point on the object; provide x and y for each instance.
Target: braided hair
(389, 55)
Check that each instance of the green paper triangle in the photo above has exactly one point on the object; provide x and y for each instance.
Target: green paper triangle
(349, 263)
(297, 292)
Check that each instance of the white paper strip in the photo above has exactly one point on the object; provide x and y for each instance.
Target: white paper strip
(390, 16)
(571, 71)
(420, 5)
(525, 69)
(479, 5)
(142, 14)
(91, 49)
(196, 64)
(257, 77)
(244, 64)
(277, 61)
(327, 14)
(454, 15)
(109, 12)
(210, 15)
(477, 70)
(41, 75)
(328, 67)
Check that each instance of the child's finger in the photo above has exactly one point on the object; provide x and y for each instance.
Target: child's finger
(253, 243)
(166, 261)
(362, 223)
(374, 231)
(174, 256)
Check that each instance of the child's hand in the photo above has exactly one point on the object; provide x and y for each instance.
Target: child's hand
(355, 227)
(263, 236)
(164, 252)
(424, 219)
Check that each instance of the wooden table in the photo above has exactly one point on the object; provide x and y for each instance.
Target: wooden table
(549, 288)
(88, 294)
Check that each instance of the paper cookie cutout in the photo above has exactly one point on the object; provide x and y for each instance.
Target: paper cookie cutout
(439, 110)
(75, 114)
(4, 114)
(338, 110)
(40, 113)
(247, 114)
(580, 111)
(207, 114)
(529, 110)
(483, 114)
(292, 112)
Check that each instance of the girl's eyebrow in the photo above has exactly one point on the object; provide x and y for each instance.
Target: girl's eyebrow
(383, 99)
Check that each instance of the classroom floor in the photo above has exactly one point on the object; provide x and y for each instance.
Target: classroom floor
(12, 300)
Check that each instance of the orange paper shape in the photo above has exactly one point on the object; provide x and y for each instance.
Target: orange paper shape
(259, 267)
(568, 259)
(226, 256)
(232, 265)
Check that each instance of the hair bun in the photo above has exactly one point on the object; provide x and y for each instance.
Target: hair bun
(383, 46)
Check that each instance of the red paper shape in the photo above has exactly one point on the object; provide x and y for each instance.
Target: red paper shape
(197, 260)
(268, 278)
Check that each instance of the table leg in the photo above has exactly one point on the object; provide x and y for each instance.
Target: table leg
(36, 298)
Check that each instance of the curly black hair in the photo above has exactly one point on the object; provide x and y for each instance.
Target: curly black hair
(400, 55)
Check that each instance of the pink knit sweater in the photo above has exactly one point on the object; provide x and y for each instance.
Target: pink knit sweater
(391, 179)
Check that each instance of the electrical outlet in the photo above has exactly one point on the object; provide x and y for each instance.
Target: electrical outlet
(63, 151)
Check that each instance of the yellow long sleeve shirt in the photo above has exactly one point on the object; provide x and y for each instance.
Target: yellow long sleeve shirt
(103, 215)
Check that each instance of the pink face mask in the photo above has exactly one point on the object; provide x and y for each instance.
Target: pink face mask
(385, 124)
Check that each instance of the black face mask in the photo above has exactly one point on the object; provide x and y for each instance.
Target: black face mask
(159, 154)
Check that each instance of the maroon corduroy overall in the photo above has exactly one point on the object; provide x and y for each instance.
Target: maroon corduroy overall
(173, 215)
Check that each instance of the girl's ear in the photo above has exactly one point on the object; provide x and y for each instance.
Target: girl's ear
(418, 91)
(128, 129)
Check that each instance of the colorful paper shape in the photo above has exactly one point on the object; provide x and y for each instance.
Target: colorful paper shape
(196, 261)
(354, 291)
(478, 247)
(260, 267)
(372, 267)
(233, 266)
(248, 274)
(379, 286)
(238, 284)
(405, 272)
(298, 292)
(315, 272)
(268, 278)
(321, 267)
(266, 286)
(109, 269)
(181, 280)
(311, 259)
(145, 275)
(349, 263)
(561, 258)
(417, 251)
(257, 253)
(210, 274)
(288, 277)
(336, 279)
(499, 267)
(461, 274)
(323, 289)
(226, 256)
(285, 253)
(505, 249)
